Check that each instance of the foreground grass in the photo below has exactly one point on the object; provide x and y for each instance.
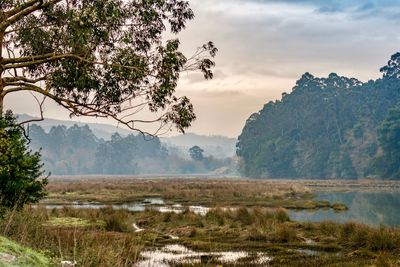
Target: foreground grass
(70, 237)
(21, 256)
(246, 216)
(114, 242)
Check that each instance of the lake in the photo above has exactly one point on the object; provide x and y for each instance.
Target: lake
(373, 208)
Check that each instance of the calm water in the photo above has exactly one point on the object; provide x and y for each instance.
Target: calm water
(131, 206)
(151, 203)
(172, 255)
(374, 208)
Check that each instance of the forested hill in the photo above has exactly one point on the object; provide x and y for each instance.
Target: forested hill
(332, 127)
(213, 145)
(78, 151)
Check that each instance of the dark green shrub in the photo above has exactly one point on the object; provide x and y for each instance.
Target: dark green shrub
(20, 169)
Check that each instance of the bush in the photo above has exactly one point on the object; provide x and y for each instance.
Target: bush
(216, 216)
(329, 228)
(382, 239)
(244, 216)
(256, 235)
(284, 234)
(115, 220)
(282, 216)
(20, 169)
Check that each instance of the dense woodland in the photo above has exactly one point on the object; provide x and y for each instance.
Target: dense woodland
(76, 150)
(332, 127)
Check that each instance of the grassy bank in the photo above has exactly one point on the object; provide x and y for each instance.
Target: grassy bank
(13, 254)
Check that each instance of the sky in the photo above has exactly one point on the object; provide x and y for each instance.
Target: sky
(264, 47)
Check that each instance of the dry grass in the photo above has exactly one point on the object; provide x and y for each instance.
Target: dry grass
(115, 243)
(105, 237)
(88, 244)
(208, 192)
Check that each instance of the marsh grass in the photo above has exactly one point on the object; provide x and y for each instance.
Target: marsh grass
(207, 192)
(246, 216)
(72, 238)
(115, 243)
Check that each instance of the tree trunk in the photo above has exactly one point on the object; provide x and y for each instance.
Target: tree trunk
(1, 66)
(1, 104)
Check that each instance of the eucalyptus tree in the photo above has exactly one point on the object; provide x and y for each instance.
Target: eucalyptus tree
(103, 58)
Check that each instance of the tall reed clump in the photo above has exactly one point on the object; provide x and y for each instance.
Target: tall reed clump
(357, 235)
(284, 233)
(383, 239)
(90, 245)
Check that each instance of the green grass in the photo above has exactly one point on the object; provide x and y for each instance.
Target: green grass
(339, 207)
(73, 222)
(24, 256)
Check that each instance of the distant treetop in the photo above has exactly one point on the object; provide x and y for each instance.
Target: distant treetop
(332, 81)
(392, 69)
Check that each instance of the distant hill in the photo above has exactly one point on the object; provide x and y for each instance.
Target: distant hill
(101, 130)
(76, 150)
(216, 146)
(334, 127)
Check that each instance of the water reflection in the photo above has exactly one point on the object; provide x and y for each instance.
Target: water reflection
(374, 208)
(172, 255)
(150, 203)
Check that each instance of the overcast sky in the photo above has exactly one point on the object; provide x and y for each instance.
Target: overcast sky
(266, 45)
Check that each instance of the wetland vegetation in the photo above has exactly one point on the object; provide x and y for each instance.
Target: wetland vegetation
(246, 223)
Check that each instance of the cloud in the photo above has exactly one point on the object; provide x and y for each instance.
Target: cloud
(224, 112)
(366, 7)
(280, 37)
(356, 9)
(329, 9)
(194, 78)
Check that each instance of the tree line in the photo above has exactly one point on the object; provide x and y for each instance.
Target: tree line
(333, 127)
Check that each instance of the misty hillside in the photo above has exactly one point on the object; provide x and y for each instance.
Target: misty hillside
(216, 146)
(76, 150)
(101, 130)
(333, 127)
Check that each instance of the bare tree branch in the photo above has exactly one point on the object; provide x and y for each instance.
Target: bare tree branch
(74, 108)
(10, 80)
(40, 104)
